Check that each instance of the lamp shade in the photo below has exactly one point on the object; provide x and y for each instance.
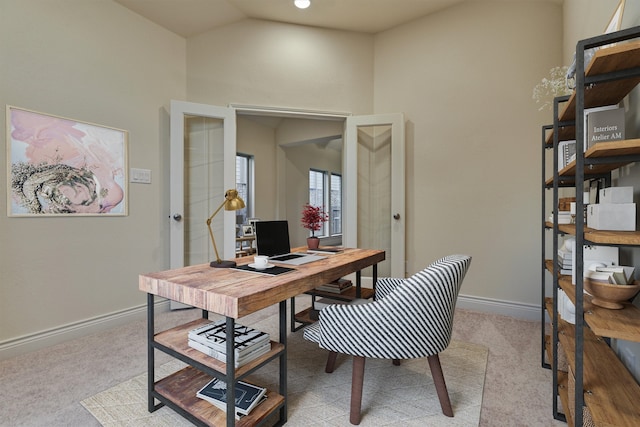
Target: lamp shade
(232, 201)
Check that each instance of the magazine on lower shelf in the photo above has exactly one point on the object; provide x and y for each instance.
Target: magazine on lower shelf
(248, 396)
(214, 336)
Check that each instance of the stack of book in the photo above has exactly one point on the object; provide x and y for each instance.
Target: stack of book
(614, 275)
(564, 217)
(565, 260)
(336, 287)
(211, 339)
(247, 396)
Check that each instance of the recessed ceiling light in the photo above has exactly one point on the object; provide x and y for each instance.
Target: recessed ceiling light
(302, 4)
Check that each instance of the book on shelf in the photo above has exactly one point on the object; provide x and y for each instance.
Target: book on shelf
(336, 287)
(605, 124)
(214, 336)
(222, 356)
(247, 396)
(566, 153)
(615, 275)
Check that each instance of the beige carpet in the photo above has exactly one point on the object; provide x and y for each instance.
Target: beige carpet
(393, 395)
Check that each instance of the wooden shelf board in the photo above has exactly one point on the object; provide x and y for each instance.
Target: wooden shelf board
(304, 316)
(628, 238)
(612, 237)
(182, 386)
(176, 339)
(610, 391)
(620, 57)
(563, 392)
(565, 133)
(620, 324)
(600, 150)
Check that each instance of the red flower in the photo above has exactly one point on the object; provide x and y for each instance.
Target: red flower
(313, 217)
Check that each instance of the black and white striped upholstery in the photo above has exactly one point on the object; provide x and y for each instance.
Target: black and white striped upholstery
(409, 318)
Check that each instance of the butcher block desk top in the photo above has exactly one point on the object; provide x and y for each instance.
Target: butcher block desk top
(235, 293)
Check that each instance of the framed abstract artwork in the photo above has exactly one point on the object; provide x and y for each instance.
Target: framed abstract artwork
(60, 167)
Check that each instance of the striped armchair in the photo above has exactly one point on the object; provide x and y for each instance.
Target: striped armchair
(410, 318)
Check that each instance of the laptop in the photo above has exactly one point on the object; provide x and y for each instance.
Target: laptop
(272, 240)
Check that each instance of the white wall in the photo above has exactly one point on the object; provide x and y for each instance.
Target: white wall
(93, 61)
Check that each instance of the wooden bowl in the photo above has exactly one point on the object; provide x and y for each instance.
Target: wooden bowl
(610, 296)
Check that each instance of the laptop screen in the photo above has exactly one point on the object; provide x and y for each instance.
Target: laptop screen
(272, 237)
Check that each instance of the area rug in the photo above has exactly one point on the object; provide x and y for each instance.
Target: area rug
(393, 395)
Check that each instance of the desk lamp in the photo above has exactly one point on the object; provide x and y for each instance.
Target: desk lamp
(232, 202)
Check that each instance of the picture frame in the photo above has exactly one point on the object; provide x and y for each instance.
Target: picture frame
(64, 167)
(247, 230)
(615, 23)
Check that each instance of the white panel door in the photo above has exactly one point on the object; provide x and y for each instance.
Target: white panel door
(374, 199)
(202, 168)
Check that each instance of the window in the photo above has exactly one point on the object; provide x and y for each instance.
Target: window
(325, 189)
(244, 185)
(335, 203)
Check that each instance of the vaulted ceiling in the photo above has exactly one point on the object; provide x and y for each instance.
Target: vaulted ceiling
(191, 17)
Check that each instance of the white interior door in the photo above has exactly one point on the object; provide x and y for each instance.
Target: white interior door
(202, 168)
(374, 198)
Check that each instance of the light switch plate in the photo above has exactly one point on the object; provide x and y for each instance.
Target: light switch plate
(141, 176)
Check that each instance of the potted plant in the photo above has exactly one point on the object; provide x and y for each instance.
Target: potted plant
(312, 219)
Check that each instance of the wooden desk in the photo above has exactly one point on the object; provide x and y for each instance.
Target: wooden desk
(233, 294)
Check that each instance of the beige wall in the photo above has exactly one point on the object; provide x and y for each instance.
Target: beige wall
(464, 79)
(258, 140)
(93, 61)
(270, 64)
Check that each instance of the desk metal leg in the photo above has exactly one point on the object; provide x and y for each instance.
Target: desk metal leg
(293, 314)
(150, 354)
(231, 371)
(283, 361)
(375, 280)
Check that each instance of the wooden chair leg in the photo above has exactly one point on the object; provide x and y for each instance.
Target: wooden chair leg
(441, 386)
(357, 378)
(331, 362)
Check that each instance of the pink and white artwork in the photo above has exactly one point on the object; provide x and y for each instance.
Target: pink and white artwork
(60, 166)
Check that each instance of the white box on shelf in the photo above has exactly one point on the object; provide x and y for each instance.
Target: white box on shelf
(616, 195)
(612, 216)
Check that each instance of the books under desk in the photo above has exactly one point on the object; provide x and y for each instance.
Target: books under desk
(210, 339)
(182, 387)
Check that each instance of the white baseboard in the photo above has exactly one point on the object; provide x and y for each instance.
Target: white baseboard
(25, 344)
(504, 308)
(22, 345)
